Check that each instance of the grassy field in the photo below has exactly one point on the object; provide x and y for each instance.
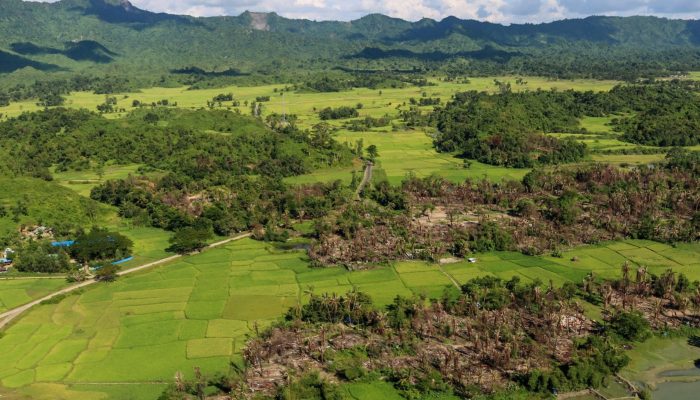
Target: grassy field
(83, 181)
(199, 311)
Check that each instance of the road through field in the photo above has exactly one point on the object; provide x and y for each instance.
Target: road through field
(10, 315)
(365, 179)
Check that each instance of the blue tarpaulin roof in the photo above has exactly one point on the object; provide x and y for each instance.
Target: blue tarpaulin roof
(122, 260)
(65, 243)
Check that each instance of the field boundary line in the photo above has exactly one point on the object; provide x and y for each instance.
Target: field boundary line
(8, 316)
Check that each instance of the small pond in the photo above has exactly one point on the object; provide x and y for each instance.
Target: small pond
(678, 390)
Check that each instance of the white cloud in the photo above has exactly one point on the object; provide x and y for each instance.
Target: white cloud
(504, 11)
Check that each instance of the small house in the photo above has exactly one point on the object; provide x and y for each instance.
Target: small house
(8, 253)
(471, 260)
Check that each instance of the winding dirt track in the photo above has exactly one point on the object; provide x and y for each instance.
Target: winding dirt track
(8, 316)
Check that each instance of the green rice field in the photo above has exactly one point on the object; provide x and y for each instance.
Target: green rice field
(131, 336)
(17, 291)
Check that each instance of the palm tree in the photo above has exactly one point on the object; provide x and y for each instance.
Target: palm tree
(683, 303)
(641, 280)
(322, 334)
(588, 282)
(179, 382)
(658, 308)
(668, 283)
(625, 275)
(606, 293)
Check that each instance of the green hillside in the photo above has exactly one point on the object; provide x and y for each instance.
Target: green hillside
(88, 35)
(46, 203)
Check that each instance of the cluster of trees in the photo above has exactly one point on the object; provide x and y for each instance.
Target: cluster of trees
(596, 359)
(425, 101)
(684, 160)
(506, 128)
(523, 150)
(355, 308)
(109, 105)
(341, 112)
(503, 126)
(99, 244)
(367, 123)
(51, 92)
(95, 245)
(221, 97)
(183, 147)
(40, 256)
(669, 115)
(190, 239)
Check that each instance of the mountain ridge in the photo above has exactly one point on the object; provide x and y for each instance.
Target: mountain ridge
(125, 37)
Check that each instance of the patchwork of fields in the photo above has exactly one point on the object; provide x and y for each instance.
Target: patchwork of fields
(135, 333)
(376, 102)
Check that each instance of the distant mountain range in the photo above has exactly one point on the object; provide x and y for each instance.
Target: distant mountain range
(113, 35)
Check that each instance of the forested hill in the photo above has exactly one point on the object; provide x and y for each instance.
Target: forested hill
(113, 35)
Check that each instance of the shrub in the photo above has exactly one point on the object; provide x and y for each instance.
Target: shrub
(631, 326)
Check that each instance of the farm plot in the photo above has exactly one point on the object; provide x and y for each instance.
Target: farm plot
(603, 260)
(410, 152)
(15, 292)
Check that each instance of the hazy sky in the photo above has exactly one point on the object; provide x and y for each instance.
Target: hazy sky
(505, 11)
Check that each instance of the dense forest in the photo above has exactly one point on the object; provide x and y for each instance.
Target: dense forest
(92, 36)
